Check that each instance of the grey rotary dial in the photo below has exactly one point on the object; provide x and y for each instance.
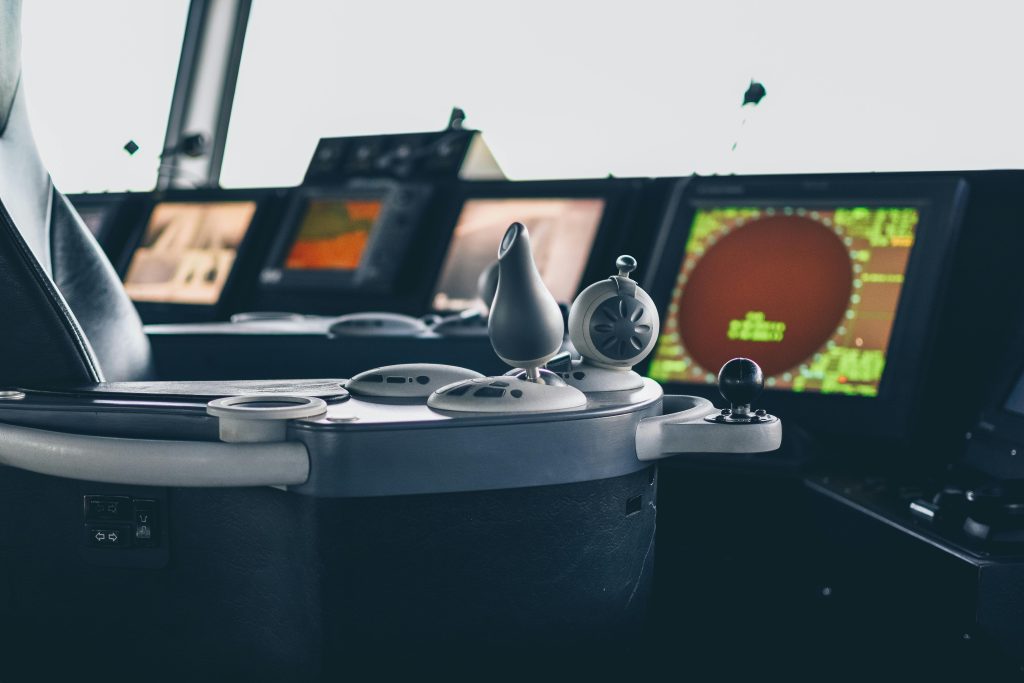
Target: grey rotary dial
(621, 327)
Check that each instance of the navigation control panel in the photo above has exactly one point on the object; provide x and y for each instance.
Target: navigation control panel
(121, 527)
(121, 521)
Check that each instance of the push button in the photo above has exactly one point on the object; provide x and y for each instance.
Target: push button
(108, 507)
(108, 535)
(146, 522)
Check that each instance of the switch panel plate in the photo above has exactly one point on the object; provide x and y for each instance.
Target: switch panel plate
(124, 526)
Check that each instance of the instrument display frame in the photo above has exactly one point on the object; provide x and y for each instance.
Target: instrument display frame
(233, 292)
(394, 229)
(613, 236)
(940, 201)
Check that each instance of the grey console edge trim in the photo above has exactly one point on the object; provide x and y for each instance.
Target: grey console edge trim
(363, 464)
(151, 462)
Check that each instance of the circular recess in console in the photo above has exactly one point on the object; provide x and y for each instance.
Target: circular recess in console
(257, 418)
(267, 407)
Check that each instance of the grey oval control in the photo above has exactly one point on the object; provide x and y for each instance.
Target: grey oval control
(379, 324)
(407, 380)
(505, 395)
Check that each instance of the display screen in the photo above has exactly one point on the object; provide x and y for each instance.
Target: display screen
(562, 234)
(187, 251)
(811, 294)
(333, 234)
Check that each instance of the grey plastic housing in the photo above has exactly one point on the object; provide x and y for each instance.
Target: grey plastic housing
(506, 395)
(629, 313)
(153, 462)
(590, 378)
(408, 380)
(684, 430)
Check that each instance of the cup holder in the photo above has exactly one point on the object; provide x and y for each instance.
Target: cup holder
(261, 417)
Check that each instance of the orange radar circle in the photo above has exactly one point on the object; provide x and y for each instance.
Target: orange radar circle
(793, 270)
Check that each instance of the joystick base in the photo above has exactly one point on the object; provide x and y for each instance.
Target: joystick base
(590, 378)
(727, 416)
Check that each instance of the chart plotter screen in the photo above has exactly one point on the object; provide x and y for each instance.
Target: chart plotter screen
(811, 294)
(333, 234)
(187, 251)
(562, 233)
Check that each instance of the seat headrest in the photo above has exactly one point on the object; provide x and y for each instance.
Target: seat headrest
(10, 56)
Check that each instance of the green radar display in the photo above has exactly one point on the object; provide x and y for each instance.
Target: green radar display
(811, 294)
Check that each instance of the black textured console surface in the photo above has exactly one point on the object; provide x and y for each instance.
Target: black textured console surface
(262, 585)
(915, 593)
(207, 390)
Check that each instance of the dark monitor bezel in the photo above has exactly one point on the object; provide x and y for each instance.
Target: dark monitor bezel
(942, 202)
(121, 207)
(167, 312)
(619, 194)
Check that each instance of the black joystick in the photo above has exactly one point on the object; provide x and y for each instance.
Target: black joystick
(740, 381)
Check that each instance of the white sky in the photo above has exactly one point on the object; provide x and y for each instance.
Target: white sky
(97, 75)
(561, 88)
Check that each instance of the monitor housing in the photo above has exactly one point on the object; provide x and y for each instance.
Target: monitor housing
(218, 233)
(884, 408)
(347, 238)
(597, 211)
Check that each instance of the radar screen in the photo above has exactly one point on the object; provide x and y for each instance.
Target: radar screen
(809, 293)
(333, 234)
(187, 251)
(562, 233)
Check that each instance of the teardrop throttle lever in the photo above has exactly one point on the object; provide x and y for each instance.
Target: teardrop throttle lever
(525, 324)
(526, 329)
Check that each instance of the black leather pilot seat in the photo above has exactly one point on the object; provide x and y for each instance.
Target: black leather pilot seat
(67, 317)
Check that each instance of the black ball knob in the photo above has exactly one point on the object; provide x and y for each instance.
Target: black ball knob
(740, 381)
